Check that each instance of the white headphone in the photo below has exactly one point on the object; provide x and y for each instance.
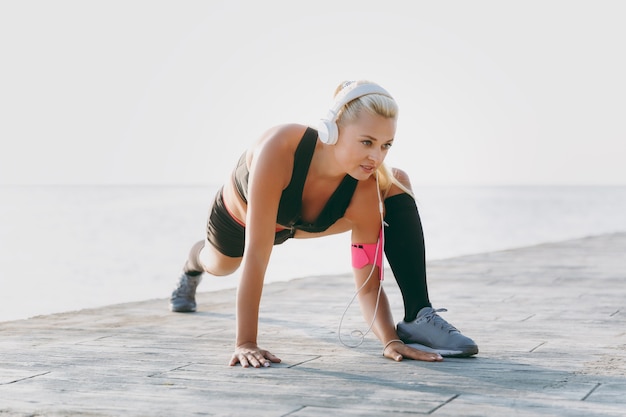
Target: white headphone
(328, 131)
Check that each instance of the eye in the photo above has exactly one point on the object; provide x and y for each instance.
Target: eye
(387, 145)
(367, 142)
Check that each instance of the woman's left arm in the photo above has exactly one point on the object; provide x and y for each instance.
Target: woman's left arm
(383, 325)
(374, 307)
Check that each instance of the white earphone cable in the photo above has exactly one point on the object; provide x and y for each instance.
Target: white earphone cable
(356, 333)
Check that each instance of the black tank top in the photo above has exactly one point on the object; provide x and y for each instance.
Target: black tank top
(290, 206)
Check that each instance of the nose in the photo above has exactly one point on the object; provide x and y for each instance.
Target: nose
(376, 156)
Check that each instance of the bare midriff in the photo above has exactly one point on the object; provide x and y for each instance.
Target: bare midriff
(236, 206)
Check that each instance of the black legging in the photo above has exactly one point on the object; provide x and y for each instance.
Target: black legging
(404, 248)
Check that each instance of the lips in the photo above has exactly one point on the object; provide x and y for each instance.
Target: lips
(368, 168)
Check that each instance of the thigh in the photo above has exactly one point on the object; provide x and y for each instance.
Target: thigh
(216, 263)
(364, 213)
(225, 240)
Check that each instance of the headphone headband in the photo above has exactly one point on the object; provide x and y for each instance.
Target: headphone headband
(328, 130)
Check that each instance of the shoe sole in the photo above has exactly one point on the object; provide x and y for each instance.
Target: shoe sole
(447, 353)
(182, 310)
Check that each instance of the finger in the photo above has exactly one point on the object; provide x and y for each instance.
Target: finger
(244, 361)
(272, 358)
(234, 360)
(420, 355)
(431, 357)
(265, 361)
(393, 354)
(254, 361)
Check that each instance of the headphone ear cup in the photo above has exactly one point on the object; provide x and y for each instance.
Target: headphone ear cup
(328, 132)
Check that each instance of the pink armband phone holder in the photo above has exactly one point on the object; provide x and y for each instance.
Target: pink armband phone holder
(365, 254)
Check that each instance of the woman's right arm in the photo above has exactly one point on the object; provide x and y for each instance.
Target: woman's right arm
(270, 172)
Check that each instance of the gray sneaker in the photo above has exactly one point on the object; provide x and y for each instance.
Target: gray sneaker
(431, 333)
(183, 299)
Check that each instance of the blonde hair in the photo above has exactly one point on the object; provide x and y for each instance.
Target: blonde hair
(381, 105)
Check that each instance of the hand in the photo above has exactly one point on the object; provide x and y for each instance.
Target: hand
(250, 354)
(398, 350)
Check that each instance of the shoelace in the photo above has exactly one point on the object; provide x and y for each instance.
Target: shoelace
(437, 320)
(183, 287)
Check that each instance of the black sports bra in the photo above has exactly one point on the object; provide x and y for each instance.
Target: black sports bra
(290, 206)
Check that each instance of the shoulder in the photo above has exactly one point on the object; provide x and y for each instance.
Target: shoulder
(276, 145)
(272, 156)
(281, 138)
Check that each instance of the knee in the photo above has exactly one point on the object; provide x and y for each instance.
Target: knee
(216, 263)
(402, 183)
(402, 177)
(219, 271)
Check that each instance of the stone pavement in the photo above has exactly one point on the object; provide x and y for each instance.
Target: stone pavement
(550, 321)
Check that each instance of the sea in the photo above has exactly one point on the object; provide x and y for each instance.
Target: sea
(66, 248)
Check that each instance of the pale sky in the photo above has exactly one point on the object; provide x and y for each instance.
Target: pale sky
(171, 92)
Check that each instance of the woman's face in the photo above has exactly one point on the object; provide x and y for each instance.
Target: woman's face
(363, 144)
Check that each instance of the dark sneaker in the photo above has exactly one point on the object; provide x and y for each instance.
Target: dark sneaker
(432, 333)
(183, 299)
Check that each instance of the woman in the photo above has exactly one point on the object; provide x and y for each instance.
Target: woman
(298, 182)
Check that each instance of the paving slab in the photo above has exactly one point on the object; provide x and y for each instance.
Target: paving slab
(550, 321)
